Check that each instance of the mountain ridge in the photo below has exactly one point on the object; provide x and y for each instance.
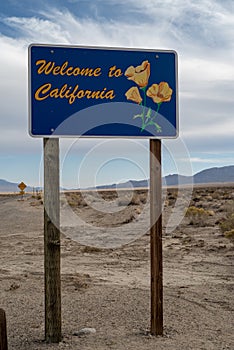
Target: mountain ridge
(6, 186)
(212, 175)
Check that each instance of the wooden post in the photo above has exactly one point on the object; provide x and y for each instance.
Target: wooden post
(156, 238)
(52, 241)
(3, 331)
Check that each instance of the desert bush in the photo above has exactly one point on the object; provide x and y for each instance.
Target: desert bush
(135, 199)
(125, 198)
(229, 234)
(123, 202)
(198, 216)
(37, 196)
(90, 249)
(76, 200)
(172, 196)
(228, 223)
(216, 194)
(72, 203)
(128, 219)
(82, 202)
(143, 198)
(228, 207)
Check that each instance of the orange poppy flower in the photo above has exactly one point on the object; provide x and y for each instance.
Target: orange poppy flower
(160, 92)
(140, 74)
(133, 94)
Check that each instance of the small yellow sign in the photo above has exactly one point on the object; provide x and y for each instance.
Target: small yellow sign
(22, 186)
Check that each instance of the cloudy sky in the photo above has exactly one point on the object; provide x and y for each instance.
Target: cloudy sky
(201, 32)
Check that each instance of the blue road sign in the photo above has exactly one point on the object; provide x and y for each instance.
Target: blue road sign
(102, 92)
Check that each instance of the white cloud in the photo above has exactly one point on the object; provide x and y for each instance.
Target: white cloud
(37, 28)
(13, 84)
(209, 69)
(209, 160)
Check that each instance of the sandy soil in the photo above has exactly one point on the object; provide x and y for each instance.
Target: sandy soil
(105, 285)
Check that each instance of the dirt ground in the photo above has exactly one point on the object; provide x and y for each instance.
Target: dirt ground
(105, 266)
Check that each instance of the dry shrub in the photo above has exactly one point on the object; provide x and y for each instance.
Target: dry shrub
(143, 198)
(138, 210)
(172, 197)
(127, 200)
(135, 199)
(228, 223)
(123, 202)
(128, 219)
(38, 196)
(228, 207)
(72, 203)
(229, 234)
(78, 281)
(216, 194)
(90, 249)
(76, 200)
(198, 216)
(82, 202)
(108, 195)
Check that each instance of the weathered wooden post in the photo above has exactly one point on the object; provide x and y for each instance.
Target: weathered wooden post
(52, 241)
(3, 331)
(156, 238)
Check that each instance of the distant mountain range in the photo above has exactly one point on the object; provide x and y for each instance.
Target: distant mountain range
(6, 186)
(213, 175)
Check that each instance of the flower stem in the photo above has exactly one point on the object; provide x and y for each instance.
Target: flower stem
(143, 119)
(151, 122)
(157, 110)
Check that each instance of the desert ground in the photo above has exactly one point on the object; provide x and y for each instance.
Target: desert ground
(105, 269)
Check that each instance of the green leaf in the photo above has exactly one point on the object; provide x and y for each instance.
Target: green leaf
(137, 116)
(158, 127)
(148, 115)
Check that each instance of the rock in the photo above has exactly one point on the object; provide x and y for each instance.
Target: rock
(85, 331)
(14, 286)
